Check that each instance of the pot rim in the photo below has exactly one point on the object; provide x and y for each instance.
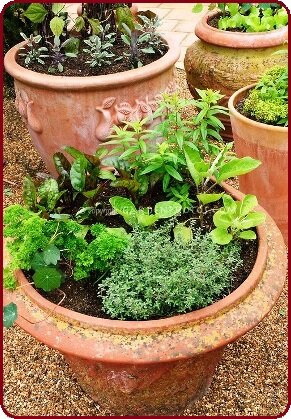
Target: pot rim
(102, 82)
(133, 326)
(215, 36)
(233, 100)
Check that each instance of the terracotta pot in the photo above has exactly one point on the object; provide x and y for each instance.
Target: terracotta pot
(160, 366)
(226, 61)
(80, 111)
(269, 144)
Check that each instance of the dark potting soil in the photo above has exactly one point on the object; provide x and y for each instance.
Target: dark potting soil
(82, 296)
(78, 67)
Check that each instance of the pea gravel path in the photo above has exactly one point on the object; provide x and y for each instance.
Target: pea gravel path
(250, 380)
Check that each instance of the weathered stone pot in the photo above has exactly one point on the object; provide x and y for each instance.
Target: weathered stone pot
(269, 144)
(226, 61)
(80, 111)
(160, 366)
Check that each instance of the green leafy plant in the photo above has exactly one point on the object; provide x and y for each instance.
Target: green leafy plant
(142, 217)
(156, 276)
(100, 47)
(249, 17)
(10, 314)
(60, 51)
(235, 220)
(149, 25)
(268, 101)
(181, 194)
(136, 43)
(32, 51)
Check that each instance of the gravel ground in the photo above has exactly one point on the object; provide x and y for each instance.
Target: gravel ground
(251, 379)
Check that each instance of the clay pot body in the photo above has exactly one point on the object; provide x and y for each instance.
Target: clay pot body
(269, 144)
(226, 61)
(80, 111)
(162, 366)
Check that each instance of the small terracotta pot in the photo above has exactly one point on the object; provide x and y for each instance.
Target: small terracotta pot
(156, 367)
(226, 61)
(80, 111)
(269, 144)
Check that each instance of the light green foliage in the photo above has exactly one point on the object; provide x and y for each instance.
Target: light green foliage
(37, 13)
(159, 277)
(32, 51)
(100, 47)
(142, 217)
(235, 219)
(268, 102)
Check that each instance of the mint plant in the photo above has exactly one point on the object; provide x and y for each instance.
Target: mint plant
(181, 194)
(235, 220)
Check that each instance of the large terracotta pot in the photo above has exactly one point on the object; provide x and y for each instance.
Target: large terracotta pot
(226, 61)
(160, 366)
(269, 144)
(80, 111)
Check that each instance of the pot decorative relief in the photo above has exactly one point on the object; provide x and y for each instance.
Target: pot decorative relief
(155, 367)
(80, 111)
(226, 61)
(269, 144)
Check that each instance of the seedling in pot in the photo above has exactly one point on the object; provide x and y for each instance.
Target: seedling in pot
(32, 51)
(60, 51)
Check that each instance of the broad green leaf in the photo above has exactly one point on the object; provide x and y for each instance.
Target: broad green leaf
(247, 235)
(51, 255)
(48, 278)
(173, 172)
(106, 174)
(57, 25)
(247, 204)
(60, 217)
(146, 220)
(95, 25)
(36, 12)
(49, 191)
(197, 8)
(220, 236)
(91, 193)
(123, 206)
(79, 23)
(222, 219)
(233, 8)
(9, 315)
(62, 164)
(151, 168)
(207, 198)
(71, 45)
(167, 209)
(38, 261)
(58, 7)
(73, 152)
(252, 220)
(230, 204)
(78, 174)
(183, 233)
(29, 192)
(192, 157)
(124, 19)
(237, 167)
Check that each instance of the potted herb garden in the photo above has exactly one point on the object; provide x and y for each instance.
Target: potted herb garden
(236, 45)
(259, 119)
(140, 264)
(73, 86)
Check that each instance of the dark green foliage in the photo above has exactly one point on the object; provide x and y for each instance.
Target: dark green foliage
(9, 314)
(268, 102)
(158, 277)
